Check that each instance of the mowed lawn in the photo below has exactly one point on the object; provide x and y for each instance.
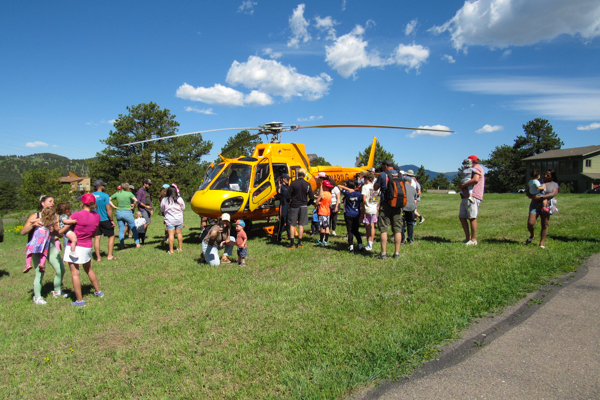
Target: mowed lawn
(306, 323)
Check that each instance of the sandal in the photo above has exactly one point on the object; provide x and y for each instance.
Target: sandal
(529, 240)
(27, 269)
(112, 258)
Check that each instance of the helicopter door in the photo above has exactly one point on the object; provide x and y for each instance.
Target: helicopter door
(263, 186)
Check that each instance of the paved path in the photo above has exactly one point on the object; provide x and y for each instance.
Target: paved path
(545, 351)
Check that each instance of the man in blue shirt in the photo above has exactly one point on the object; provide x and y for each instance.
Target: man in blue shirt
(107, 226)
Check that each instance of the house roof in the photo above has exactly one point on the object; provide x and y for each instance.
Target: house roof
(69, 179)
(593, 176)
(562, 153)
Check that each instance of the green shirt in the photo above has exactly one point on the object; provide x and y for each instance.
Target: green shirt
(123, 200)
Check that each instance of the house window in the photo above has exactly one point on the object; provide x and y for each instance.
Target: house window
(588, 163)
(80, 187)
(73, 186)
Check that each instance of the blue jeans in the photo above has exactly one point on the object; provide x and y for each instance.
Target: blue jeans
(126, 217)
(211, 253)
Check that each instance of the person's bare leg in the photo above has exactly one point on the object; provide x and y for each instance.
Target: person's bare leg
(397, 241)
(383, 237)
(111, 245)
(97, 247)
(473, 229)
(87, 267)
(545, 220)
(171, 239)
(300, 231)
(531, 224)
(465, 226)
(76, 281)
(180, 239)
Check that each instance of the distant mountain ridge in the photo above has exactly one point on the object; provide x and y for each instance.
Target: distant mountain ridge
(432, 174)
(12, 167)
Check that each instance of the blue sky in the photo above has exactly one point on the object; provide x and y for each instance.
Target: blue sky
(482, 68)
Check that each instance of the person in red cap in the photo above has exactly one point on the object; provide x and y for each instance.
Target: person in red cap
(87, 223)
(470, 210)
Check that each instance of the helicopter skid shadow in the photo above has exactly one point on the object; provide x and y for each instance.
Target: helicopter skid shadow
(572, 239)
(437, 239)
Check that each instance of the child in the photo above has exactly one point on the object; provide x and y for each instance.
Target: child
(40, 241)
(323, 204)
(64, 210)
(370, 208)
(537, 189)
(241, 242)
(314, 225)
(467, 174)
(352, 212)
(140, 223)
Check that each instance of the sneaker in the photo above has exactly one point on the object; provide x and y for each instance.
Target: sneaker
(351, 249)
(466, 241)
(39, 300)
(472, 243)
(27, 269)
(78, 303)
(409, 241)
(325, 244)
(543, 247)
(225, 260)
(319, 243)
(242, 264)
(333, 233)
(529, 240)
(59, 293)
(290, 246)
(361, 247)
(368, 248)
(74, 256)
(382, 256)
(422, 220)
(396, 255)
(99, 294)
(299, 246)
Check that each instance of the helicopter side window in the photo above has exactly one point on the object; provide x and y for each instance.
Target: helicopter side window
(278, 170)
(235, 178)
(261, 174)
(210, 175)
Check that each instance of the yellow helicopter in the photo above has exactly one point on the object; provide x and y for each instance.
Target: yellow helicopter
(245, 187)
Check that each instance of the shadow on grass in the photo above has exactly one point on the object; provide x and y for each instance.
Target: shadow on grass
(573, 239)
(437, 239)
(4, 273)
(501, 241)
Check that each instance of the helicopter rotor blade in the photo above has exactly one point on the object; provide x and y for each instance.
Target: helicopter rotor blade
(185, 134)
(240, 143)
(372, 126)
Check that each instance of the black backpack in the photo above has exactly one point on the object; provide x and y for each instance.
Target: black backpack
(395, 192)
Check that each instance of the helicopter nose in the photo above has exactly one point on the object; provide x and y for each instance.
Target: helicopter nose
(214, 203)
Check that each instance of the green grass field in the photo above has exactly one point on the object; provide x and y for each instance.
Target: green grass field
(307, 323)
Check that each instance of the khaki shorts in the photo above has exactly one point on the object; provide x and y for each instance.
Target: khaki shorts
(469, 210)
(389, 217)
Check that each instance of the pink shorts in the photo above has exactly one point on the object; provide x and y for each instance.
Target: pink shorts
(370, 219)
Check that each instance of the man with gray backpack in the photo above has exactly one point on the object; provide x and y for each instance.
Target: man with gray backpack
(393, 199)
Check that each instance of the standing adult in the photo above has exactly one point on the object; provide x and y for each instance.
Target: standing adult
(369, 204)
(172, 207)
(124, 216)
(470, 210)
(334, 207)
(535, 208)
(389, 217)
(300, 195)
(87, 223)
(408, 220)
(33, 223)
(283, 190)
(107, 225)
(145, 202)
(217, 238)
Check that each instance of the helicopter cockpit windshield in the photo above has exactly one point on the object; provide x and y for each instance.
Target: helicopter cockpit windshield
(235, 177)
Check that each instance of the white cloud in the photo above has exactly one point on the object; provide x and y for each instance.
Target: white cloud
(326, 25)
(348, 54)
(430, 133)
(505, 54)
(448, 58)
(489, 128)
(207, 111)
(410, 28)
(247, 7)
(273, 78)
(272, 54)
(36, 144)
(218, 94)
(112, 121)
(503, 23)
(569, 99)
(256, 98)
(411, 56)
(54, 145)
(589, 127)
(343, 5)
(298, 26)
(311, 118)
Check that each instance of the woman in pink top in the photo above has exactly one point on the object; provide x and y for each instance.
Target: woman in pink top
(85, 228)
(172, 207)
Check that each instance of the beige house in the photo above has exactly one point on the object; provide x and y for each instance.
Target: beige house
(77, 183)
(579, 166)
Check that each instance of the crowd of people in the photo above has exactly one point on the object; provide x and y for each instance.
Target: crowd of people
(387, 201)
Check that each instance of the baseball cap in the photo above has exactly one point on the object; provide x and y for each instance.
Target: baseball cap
(327, 184)
(240, 223)
(474, 158)
(388, 163)
(148, 181)
(119, 187)
(322, 175)
(285, 176)
(131, 187)
(166, 186)
(99, 182)
(225, 217)
(88, 198)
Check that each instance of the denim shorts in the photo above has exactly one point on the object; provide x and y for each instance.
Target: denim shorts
(242, 252)
(174, 227)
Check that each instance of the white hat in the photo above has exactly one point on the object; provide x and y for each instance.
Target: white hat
(225, 217)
